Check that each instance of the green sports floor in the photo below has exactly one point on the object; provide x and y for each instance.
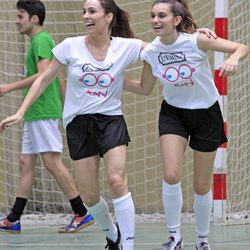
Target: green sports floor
(148, 237)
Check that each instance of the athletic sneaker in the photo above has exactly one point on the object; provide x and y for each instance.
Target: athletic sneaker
(173, 244)
(11, 227)
(203, 246)
(114, 245)
(78, 223)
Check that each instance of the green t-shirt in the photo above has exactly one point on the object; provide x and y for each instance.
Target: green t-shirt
(48, 105)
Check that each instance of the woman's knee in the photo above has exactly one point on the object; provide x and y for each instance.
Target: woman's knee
(172, 176)
(118, 184)
(202, 187)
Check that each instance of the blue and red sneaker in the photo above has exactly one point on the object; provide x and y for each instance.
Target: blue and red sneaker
(78, 223)
(11, 227)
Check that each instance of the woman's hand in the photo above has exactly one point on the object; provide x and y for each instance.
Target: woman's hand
(10, 121)
(209, 33)
(229, 67)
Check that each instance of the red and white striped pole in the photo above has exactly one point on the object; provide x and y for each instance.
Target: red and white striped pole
(220, 165)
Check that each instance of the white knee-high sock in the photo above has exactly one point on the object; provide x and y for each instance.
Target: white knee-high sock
(103, 218)
(202, 211)
(125, 216)
(172, 203)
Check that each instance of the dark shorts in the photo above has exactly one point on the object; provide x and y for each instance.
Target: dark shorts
(203, 127)
(95, 134)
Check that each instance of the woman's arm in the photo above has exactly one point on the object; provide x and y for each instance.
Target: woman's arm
(40, 84)
(143, 87)
(237, 51)
(143, 45)
(62, 85)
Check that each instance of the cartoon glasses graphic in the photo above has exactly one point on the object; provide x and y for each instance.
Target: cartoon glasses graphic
(172, 74)
(103, 80)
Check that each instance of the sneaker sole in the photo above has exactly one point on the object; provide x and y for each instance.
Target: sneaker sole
(89, 223)
(10, 231)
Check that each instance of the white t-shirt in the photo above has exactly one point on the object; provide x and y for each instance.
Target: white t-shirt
(93, 86)
(183, 70)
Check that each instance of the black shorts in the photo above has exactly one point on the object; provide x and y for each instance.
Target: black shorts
(203, 127)
(95, 134)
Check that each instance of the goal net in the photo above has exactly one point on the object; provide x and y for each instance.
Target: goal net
(64, 19)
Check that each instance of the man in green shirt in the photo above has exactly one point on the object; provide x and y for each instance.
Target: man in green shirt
(41, 134)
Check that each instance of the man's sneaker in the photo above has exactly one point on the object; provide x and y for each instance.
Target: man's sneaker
(114, 245)
(78, 223)
(11, 227)
(202, 246)
(173, 244)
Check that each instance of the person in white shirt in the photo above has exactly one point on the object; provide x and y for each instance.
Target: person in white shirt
(190, 111)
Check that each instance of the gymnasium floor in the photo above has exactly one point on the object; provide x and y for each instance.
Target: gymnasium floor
(148, 237)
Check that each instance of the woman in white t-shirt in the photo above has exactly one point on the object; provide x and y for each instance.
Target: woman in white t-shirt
(92, 112)
(190, 111)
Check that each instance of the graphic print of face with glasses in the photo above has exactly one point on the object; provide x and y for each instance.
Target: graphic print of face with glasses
(179, 77)
(98, 84)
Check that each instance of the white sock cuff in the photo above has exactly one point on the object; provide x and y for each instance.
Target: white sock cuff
(98, 207)
(204, 199)
(123, 202)
(171, 189)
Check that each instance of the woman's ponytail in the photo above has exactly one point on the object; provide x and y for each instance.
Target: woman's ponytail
(119, 26)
